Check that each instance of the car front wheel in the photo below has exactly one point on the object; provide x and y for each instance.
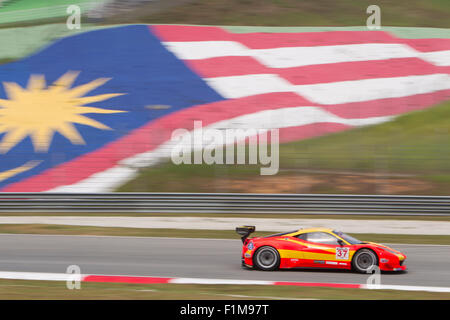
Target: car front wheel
(364, 261)
(266, 258)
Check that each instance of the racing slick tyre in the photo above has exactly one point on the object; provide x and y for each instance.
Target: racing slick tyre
(364, 261)
(266, 258)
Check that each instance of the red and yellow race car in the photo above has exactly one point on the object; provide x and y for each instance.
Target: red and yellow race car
(316, 248)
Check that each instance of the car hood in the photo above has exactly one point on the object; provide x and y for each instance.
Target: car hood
(382, 246)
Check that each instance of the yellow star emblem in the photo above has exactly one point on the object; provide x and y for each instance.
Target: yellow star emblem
(39, 110)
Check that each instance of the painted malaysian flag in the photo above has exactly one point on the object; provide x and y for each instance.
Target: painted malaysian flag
(86, 112)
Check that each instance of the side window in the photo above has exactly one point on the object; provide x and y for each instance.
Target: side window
(302, 236)
(321, 237)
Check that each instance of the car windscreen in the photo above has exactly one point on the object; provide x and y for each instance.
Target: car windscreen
(346, 237)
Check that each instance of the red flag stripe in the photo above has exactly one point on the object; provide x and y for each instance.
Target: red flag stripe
(228, 66)
(427, 45)
(311, 39)
(190, 33)
(259, 40)
(322, 73)
(358, 70)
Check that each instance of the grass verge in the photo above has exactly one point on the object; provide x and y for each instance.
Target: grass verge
(189, 233)
(45, 290)
(431, 13)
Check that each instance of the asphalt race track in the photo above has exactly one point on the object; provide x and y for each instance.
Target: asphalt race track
(428, 265)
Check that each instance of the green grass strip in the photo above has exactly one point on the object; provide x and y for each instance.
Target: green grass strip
(24, 41)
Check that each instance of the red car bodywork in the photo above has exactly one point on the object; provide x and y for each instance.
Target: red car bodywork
(297, 253)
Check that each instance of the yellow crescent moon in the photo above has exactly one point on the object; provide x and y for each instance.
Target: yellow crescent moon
(13, 172)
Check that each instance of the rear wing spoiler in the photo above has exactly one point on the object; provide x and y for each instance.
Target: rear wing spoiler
(245, 231)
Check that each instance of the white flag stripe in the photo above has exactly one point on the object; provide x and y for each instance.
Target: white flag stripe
(304, 56)
(373, 89)
(439, 58)
(248, 85)
(292, 56)
(265, 120)
(333, 92)
(291, 117)
(206, 49)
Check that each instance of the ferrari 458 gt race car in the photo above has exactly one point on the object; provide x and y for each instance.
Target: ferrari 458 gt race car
(316, 248)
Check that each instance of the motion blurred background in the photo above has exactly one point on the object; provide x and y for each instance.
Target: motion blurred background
(88, 104)
(408, 155)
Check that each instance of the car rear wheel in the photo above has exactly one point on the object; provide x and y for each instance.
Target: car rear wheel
(364, 261)
(266, 258)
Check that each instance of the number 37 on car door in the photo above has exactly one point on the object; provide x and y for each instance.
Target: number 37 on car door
(342, 253)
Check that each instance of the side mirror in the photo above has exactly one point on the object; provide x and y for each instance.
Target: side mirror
(341, 243)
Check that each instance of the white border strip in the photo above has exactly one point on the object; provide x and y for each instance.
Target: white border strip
(80, 277)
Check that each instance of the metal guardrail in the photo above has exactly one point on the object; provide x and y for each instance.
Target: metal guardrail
(225, 203)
